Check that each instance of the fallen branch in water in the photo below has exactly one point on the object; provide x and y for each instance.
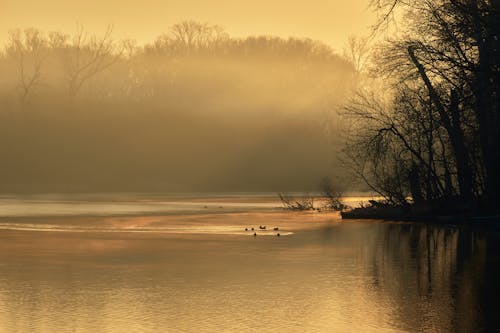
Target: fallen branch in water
(292, 203)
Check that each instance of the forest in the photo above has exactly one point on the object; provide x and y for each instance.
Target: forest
(194, 110)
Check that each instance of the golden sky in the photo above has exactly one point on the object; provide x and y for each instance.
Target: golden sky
(328, 20)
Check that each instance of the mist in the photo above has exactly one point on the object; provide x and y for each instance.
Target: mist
(194, 110)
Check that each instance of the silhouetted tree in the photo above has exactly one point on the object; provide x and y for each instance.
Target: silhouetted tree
(449, 48)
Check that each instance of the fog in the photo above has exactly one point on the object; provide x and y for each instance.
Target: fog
(194, 110)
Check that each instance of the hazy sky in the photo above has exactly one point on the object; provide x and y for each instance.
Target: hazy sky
(328, 20)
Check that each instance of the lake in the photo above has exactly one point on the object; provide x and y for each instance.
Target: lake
(153, 263)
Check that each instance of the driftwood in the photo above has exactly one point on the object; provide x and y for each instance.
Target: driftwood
(292, 203)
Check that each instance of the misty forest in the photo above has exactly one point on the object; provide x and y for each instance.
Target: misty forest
(194, 110)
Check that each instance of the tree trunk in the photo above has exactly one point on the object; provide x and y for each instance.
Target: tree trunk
(454, 130)
(487, 105)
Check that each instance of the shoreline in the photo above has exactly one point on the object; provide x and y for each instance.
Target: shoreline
(398, 214)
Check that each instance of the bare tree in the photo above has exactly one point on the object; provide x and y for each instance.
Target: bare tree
(357, 51)
(197, 35)
(190, 37)
(29, 49)
(88, 56)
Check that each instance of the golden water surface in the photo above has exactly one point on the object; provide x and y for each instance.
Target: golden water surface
(202, 272)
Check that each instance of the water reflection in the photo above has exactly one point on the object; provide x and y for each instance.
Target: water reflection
(440, 278)
(355, 276)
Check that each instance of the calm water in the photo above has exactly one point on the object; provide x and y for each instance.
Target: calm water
(197, 270)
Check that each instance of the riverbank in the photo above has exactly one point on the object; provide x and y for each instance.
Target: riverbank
(412, 214)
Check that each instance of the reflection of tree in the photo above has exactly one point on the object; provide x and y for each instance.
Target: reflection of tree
(435, 276)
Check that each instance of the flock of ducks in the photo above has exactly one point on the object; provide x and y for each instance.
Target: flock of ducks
(262, 227)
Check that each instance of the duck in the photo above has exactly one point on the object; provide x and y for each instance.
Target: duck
(262, 227)
(252, 229)
(254, 234)
(246, 229)
(278, 234)
(276, 229)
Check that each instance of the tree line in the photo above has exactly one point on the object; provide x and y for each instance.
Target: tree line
(35, 63)
(195, 109)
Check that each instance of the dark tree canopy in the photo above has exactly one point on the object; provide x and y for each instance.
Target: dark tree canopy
(438, 140)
